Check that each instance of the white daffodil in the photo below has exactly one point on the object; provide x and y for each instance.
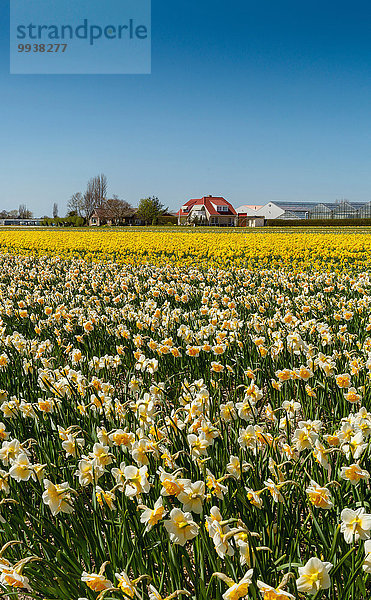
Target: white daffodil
(356, 524)
(57, 497)
(354, 474)
(151, 516)
(181, 527)
(21, 469)
(97, 581)
(319, 496)
(136, 481)
(235, 468)
(236, 590)
(270, 593)
(192, 497)
(314, 576)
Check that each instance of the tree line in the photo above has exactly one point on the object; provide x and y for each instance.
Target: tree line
(82, 205)
(21, 213)
(115, 209)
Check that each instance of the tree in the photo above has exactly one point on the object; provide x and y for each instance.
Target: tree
(117, 209)
(88, 204)
(75, 204)
(99, 189)
(150, 209)
(94, 196)
(23, 212)
(55, 210)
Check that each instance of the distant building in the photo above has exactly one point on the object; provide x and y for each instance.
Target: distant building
(101, 216)
(282, 210)
(209, 210)
(248, 209)
(248, 220)
(7, 222)
(341, 209)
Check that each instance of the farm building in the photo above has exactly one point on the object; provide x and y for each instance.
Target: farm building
(341, 209)
(209, 210)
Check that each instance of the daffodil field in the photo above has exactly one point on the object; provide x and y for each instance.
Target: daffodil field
(185, 414)
(260, 248)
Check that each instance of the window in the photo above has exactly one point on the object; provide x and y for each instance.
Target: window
(365, 211)
(344, 210)
(320, 211)
(222, 208)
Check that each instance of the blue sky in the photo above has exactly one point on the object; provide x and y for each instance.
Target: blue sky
(252, 101)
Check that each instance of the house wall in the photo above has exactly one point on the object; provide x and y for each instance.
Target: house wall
(245, 220)
(226, 220)
(270, 211)
(256, 222)
(217, 220)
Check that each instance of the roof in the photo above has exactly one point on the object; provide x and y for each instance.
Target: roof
(295, 206)
(248, 209)
(104, 213)
(342, 204)
(307, 206)
(210, 202)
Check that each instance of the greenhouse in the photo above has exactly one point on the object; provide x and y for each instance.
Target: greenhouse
(340, 209)
(365, 211)
(321, 211)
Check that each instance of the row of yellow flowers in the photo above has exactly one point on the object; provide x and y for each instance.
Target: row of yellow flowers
(316, 249)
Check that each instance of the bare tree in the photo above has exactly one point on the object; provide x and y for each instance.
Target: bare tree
(117, 209)
(94, 196)
(75, 204)
(23, 212)
(55, 210)
(99, 189)
(88, 204)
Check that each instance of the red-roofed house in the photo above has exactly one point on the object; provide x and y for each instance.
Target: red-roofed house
(209, 210)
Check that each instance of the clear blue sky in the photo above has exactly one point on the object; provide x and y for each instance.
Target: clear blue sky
(252, 101)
